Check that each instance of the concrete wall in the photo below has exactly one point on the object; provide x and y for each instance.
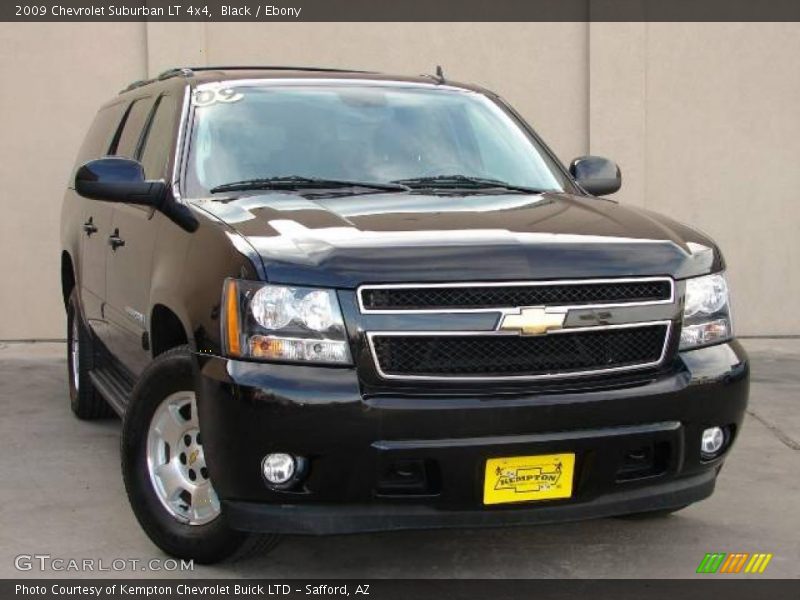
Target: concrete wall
(53, 77)
(702, 118)
(705, 121)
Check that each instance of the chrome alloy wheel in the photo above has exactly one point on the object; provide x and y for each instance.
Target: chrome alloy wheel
(74, 354)
(176, 464)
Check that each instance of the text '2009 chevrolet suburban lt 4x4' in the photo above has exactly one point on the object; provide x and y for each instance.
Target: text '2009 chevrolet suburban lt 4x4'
(333, 301)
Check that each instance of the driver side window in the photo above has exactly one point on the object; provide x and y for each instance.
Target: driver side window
(158, 137)
(127, 143)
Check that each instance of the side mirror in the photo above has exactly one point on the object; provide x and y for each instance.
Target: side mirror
(115, 179)
(597, 175)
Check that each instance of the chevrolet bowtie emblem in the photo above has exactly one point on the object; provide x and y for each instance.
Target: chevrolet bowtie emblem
(533, 321)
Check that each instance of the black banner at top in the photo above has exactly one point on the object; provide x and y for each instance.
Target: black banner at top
(399, 10)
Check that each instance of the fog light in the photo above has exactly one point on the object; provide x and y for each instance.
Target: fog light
(712, 441)
(278, 468)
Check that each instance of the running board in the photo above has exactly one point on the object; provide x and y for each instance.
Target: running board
(114, 386)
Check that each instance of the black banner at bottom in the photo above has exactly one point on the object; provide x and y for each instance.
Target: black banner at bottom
(397, 589)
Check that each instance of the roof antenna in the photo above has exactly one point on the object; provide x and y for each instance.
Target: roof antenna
(439, 74)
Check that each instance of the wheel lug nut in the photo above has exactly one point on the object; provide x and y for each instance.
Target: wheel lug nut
(192, 474)
(187, 440)
(183, 458)
(204, 472)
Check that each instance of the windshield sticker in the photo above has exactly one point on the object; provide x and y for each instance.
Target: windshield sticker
(210, 97)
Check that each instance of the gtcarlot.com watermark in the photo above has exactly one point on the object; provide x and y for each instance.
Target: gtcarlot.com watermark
(46, 562)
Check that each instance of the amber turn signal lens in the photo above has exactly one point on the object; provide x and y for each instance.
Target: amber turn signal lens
(264, 347)
(232, 316)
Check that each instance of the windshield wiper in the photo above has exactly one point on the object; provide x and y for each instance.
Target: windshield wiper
(294, 182)
(464, 181)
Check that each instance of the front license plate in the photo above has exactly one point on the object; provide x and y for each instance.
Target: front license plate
(525, 478)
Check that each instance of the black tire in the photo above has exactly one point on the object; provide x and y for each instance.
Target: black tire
(85, 402)
(208, 543)
(652, 514)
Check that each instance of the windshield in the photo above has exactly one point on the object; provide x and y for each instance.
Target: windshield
(376, 134)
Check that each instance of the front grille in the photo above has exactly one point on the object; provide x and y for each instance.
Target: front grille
(499, 355)
(485, 296)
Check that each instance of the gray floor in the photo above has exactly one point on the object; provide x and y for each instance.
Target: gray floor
(61, 494)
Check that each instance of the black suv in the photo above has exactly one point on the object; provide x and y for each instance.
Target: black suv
(333, 301)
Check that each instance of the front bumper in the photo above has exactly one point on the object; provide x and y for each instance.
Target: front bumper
(327, 519)
(359, 449)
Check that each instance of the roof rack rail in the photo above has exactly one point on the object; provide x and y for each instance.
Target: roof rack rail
(175, 72)
(136, 84)
(169, 73)
(275, 68)
(190, 71)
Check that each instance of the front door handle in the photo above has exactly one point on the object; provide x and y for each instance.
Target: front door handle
(89, 227)
(115, 241)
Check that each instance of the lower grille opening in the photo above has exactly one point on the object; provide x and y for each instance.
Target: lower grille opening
(647, 460)
(409, 477)
(493, 355)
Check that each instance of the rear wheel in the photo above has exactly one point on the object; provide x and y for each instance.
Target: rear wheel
(85, 402)
(163, 464)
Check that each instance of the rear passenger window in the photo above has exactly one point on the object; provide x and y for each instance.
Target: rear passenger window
(128, 142)
(158, 138)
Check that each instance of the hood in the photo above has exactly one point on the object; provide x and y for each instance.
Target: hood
(416, 237)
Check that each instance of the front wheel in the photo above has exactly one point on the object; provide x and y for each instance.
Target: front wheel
(163, 464)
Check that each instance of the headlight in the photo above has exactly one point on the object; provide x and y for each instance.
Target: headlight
(706, 312)
(282, 323)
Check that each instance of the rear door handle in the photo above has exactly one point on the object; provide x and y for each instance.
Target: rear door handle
(115, 241)
(89, 227)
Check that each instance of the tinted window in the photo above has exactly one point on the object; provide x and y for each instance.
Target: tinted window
(159, 137)
(364, 133)
(134, 124)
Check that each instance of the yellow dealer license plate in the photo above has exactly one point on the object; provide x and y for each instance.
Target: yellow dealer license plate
(524, 478)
